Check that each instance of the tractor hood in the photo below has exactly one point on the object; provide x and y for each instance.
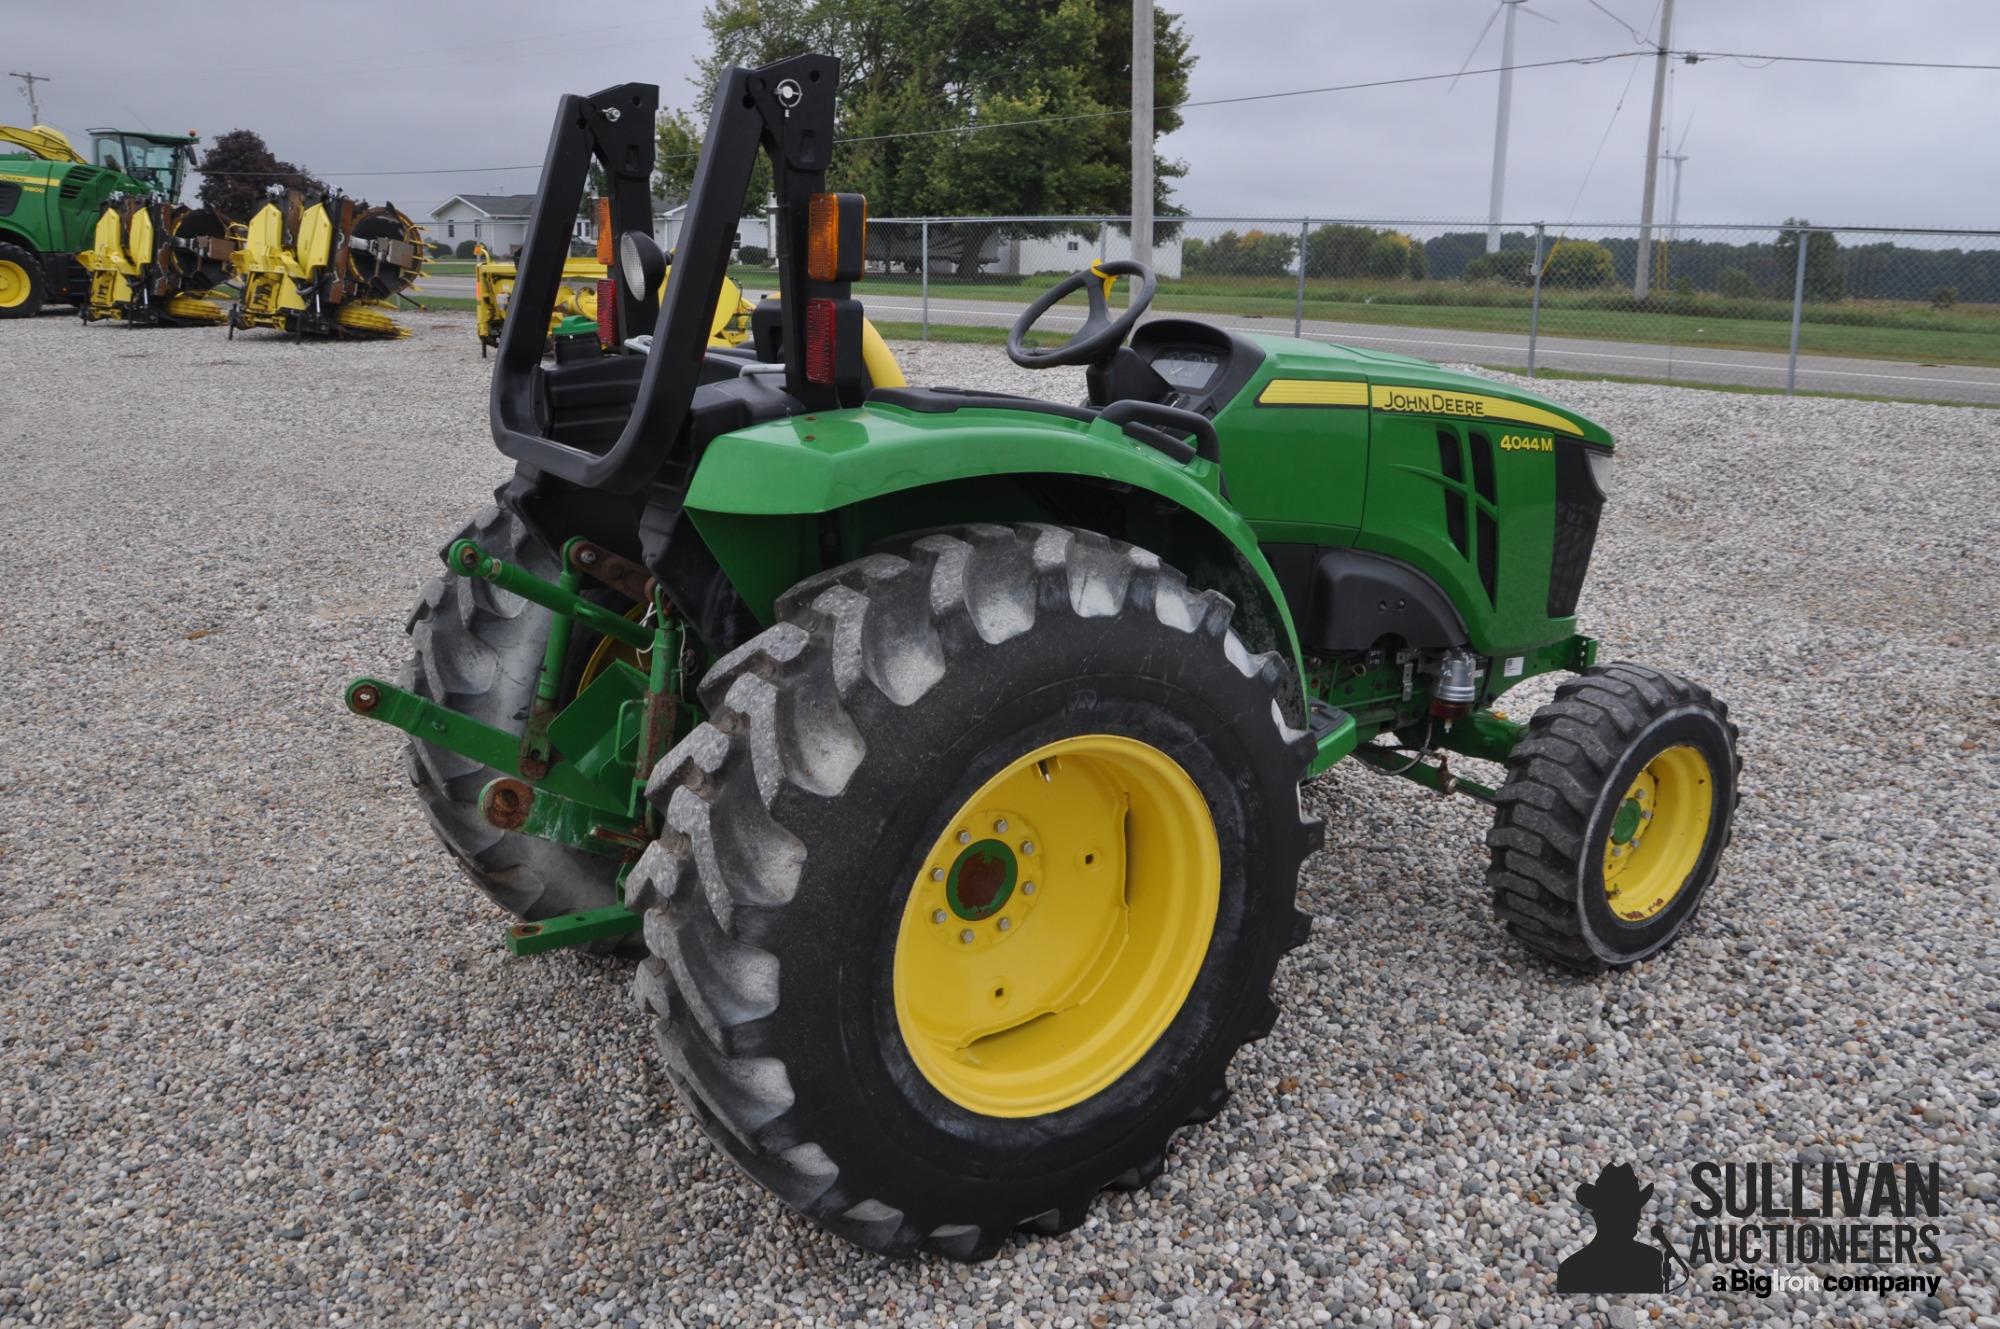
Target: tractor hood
(1403, 383)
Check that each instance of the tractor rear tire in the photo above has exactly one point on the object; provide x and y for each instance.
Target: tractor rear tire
(24, 284)
(849, 747)
(478, 650)
(1618, 803)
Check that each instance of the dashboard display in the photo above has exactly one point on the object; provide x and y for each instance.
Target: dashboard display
(1187, 368)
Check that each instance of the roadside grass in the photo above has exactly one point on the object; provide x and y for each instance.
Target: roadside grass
(973, 335)
(957, 333)
(1739, 388)
(1902, 330)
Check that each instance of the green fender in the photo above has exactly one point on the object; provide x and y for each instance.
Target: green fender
(759, 495)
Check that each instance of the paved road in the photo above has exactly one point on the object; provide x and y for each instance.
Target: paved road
(1700, 364)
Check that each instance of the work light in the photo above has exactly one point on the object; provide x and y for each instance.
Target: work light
(1600, 469)
(642, 263)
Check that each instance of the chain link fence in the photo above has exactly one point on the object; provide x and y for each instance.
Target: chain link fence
(1906, 314)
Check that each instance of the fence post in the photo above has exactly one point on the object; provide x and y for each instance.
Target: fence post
(924, 266)
(1299, 301)
(1798, 308)
(1535, 303)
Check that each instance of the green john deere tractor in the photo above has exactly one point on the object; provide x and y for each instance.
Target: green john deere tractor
(51, 198)
(942, 749)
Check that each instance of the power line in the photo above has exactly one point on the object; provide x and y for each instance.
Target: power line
(1694, 57)
(1637, 35)
(1114, 113)
(1050, 119)
(1232, 101)
(1610, 124)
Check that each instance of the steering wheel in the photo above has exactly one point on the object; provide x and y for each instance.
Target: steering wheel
(1100, 334)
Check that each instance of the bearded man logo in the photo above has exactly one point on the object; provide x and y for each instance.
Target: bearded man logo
(1614, 1261)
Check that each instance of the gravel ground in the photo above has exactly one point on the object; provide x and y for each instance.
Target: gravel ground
(264, 1061)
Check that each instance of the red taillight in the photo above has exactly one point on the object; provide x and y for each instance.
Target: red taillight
(820, 323)
(607, 314)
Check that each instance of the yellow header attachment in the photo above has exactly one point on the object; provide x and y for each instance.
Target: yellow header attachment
(45, 141)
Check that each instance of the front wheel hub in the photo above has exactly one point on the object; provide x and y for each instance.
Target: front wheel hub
(1657, 833)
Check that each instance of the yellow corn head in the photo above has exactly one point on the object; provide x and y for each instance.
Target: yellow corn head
(328, 270)
(159, 264)
(493, 289)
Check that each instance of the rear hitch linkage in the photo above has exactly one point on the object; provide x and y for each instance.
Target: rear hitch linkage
(620, 723)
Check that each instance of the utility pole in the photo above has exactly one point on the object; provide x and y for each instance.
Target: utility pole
(1643, 278)
(1142, 130)
(28, 82)
(1500, 125)
(1674, 199)
(1673, 217)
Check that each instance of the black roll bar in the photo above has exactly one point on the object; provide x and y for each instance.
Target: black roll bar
(785, 109)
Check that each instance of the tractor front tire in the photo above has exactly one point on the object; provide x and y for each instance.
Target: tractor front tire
(23, 282)
(478, 650)
(1609, 829)
(972, 885)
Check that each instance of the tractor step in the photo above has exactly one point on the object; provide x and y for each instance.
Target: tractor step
(1334, 735)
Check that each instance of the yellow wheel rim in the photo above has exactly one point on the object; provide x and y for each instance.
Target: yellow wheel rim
(1056, 926)
(1657, 833)
(14, 285)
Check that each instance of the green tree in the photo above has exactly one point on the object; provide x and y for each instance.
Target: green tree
(1389, 255)
(1338, 251)
(1736, 284)
(1578, 263)
(1508, 265)
(1825, 279)
(932, 69)
(596, 189)
(1254, 253)
(678, 147)
(241, 174)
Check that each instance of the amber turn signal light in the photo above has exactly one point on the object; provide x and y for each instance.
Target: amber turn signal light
(836, 237)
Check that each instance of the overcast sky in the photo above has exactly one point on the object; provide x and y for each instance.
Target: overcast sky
(1856, 146)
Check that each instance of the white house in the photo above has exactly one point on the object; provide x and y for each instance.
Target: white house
(498, 221)
(754, 231)
(1071, 252)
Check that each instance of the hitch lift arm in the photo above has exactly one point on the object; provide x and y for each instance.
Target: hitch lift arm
(619, 725)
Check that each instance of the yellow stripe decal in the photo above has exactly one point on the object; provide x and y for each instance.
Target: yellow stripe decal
(1312, 392)
(1431, 401)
